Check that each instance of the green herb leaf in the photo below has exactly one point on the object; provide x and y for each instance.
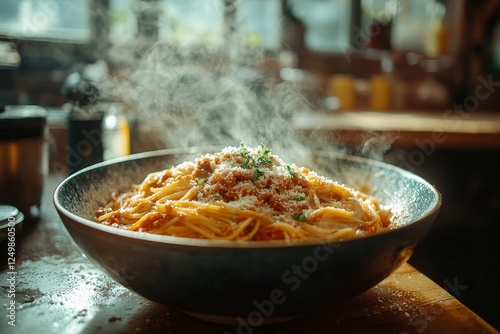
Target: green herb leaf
(264, 155)
(300, 218)
(265, 160)
(246, 154)
(247, 161)
(264, 150)
(256, 174)
(290, 171)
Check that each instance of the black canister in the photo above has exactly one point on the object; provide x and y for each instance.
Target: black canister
(24, 157)
(85, 123)
(85, 140)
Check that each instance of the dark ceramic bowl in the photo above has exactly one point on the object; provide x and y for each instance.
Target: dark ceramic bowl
(269, 281)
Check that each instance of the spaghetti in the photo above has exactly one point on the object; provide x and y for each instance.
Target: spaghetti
(242, 193)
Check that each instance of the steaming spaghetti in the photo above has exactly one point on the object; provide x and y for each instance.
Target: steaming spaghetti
(243, 193)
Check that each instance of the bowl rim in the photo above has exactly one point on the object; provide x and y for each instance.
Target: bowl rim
(193, 242)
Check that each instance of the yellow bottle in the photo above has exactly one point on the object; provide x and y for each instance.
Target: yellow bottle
(341, 86)
(380, 93)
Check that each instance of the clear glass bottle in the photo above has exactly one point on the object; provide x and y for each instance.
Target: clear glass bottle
(116, 134)
(431, 93)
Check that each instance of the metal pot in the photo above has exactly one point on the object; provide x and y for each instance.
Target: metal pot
(24, 157)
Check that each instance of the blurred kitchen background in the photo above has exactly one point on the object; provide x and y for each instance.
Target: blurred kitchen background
(419, 78)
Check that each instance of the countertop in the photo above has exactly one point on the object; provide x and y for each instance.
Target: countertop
(58, 290)
(447, 129)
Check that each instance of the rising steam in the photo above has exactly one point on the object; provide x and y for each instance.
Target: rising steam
(203, 97)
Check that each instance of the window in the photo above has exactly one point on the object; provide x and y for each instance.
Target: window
(328, 23)
(191, 22)
(123, 21)
(258, 23)
(63, 20)
(188, 22)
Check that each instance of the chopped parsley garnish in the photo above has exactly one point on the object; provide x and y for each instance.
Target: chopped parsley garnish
(263, 150)
(200, 181)
(290, 171)
(299, 198)
(300, 218)
(250, 162)
(256, 174)
(264, 155)
(246, 154)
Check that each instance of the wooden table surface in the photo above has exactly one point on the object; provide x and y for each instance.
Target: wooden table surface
(57, 290)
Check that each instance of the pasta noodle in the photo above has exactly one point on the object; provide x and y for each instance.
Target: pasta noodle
(242, 193)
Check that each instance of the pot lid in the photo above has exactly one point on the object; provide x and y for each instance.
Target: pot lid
(23, 121)
(9, 216)
(9, 213)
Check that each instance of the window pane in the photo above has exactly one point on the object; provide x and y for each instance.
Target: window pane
(123, 21)
(45, 19)
(327, 23)
(186, 22)
(259, 22)
(191, 21)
